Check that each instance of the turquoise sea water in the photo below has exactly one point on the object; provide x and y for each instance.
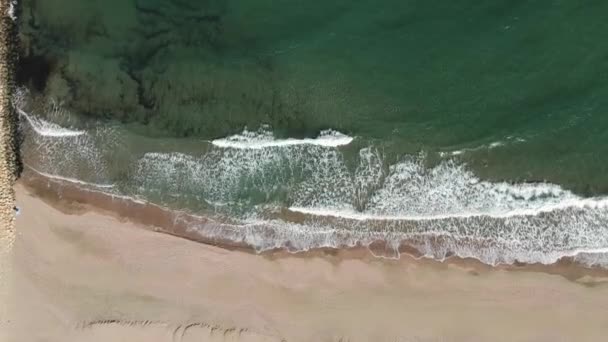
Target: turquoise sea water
(475, 128)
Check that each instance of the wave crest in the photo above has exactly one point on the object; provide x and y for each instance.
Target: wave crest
(264, 138)
(48, 129)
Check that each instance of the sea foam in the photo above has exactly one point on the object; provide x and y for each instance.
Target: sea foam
(264, 138)
(47, 128)
(69, 180)
(57, 152)
(445, 210)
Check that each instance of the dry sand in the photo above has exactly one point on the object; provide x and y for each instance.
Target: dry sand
(93, 277)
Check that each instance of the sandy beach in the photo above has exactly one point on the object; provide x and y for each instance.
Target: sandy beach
(87, 276)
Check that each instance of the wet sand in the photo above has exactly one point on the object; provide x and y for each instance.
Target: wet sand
(85, 275)
(70, 198)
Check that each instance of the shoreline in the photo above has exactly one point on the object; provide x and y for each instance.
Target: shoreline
(72, 199)
(99, 277)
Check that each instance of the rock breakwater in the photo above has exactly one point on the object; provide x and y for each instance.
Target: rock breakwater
(9, 151)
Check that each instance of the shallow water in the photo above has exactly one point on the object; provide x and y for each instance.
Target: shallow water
(480, 125)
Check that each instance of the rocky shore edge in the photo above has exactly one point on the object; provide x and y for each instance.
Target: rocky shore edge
(9, 149)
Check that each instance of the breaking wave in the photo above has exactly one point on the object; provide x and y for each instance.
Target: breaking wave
(264, 138)
(47, 128)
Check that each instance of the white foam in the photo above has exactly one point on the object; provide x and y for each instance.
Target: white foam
(496, 144)
(264, 139)
(11, 11)
(265, 235)
(63, 154)
(69, 180)
(48, 129)
(600, 203)
(592, 258)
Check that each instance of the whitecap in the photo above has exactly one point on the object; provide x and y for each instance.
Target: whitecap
(47, 128)
(265, 139)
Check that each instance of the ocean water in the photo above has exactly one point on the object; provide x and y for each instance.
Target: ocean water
(471, 129)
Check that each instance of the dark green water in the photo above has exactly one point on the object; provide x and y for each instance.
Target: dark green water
(431, 75)
(480, 91)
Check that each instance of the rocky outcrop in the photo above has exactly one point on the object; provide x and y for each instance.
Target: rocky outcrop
(9, 158)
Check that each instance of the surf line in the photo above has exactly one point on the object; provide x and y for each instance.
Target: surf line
(256, 140)
(578, 203)
(53, 131)
(67, 179)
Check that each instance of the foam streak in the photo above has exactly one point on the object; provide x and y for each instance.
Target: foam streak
(582, 203)
(263, 139)
(48, 129)
(70, 180)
